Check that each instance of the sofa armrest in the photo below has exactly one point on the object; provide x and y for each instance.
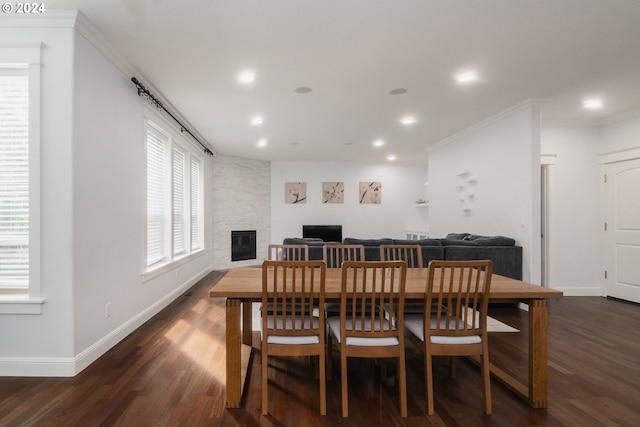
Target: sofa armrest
(507, 260)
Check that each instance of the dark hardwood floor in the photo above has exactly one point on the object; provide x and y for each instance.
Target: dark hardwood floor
(170, 372)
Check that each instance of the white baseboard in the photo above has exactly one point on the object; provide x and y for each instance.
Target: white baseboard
(581, 291)
(37, 367)
(69, 367)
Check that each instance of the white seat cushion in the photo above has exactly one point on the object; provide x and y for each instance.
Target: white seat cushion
(305, 339)
(415, 325)
(334, 327)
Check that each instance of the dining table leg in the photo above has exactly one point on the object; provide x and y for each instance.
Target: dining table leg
(538, 375)
(233, 346)
(247, 322)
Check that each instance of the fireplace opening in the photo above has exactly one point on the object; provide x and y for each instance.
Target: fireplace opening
(243, 245)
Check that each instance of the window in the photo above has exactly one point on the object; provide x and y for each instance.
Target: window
(14, 180)
(19, 179)
(174, 197)
(196, 204)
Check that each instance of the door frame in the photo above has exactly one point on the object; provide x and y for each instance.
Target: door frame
(605, 160)
(547, 176)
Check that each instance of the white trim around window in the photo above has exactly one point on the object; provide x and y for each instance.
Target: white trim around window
(174, 220)
(26, 58)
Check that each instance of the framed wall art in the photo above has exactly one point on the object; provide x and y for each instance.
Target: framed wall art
(295, 192)
(371, 193)
(333, 192)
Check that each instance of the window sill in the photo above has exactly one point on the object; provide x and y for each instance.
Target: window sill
(166, 267)
(13, 305)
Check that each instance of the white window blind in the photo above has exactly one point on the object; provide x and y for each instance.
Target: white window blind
(178, 166)
(174, 198)
(157, 145)
(14, 179)
(195, 204)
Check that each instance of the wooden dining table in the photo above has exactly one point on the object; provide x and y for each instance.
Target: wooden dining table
(243, 286)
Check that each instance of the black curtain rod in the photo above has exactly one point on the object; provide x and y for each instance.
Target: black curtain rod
(143, 91)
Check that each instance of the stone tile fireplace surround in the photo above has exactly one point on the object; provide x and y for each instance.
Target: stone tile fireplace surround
(241, 201)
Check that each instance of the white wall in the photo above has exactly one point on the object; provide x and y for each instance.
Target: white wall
(503, 156)
(93, 212)
(402, 185)
(620, 135)
(26, 338)
(575, 224)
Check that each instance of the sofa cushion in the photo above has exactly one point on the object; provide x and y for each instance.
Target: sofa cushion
(367, 242)
(421, 242)
(456, 236)
(304, 241)
(507, 260)
(475, 240)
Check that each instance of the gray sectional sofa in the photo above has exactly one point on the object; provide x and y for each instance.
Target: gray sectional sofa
(503, 251)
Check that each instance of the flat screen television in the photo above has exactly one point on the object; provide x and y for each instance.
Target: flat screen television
(328, 233)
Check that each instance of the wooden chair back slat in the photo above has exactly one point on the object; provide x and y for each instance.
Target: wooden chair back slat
(293, 289)
(412, 254)
(460, 297)
(335, 254)
(288, 252)
(366, 288)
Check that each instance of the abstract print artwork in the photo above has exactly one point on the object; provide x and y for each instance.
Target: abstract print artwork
(295, 192)
(371, 192)
(333, 192)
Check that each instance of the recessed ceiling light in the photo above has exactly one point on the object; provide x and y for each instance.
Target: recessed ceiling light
(247, 76)
(592, 104)
(302, 89)
(257, 120)
(408, 120)
(378, 143)
(391, 157)
(398, 91)
(466, 77)
(262, 143)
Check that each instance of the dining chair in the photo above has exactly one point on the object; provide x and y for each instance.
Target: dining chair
(288, 252)
(334, 255)
(278, 252)
(362, 329)
(292, 289)
(459, 290)
(412, 254)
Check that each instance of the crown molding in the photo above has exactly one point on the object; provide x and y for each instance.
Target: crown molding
(571, 123)
(621, 116)
(603, 121)
(489, 121)
(51, 19)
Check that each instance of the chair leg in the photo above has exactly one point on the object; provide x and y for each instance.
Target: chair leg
(329, 357)
(323, 384)
(486, 380)
(428, 368)
(454, 367)
(402, 380)
(345, 389)
(383, 369)
(265, 402)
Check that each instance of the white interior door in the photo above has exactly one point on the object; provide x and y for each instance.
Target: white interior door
(622, 251)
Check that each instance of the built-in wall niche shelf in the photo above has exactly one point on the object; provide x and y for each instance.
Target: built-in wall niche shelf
(466, 190)
(417, 234)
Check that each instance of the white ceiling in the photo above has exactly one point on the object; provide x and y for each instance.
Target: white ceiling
(353, 52)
